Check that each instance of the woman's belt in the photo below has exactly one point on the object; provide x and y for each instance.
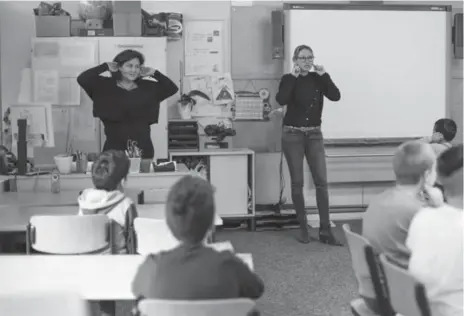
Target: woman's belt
(302, 128)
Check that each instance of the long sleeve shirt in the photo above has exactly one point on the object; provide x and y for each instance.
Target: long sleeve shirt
(304, 98)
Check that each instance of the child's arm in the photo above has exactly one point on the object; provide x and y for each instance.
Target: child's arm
(145, 275)
(251, 285)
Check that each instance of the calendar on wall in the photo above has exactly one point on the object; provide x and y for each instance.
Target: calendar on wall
(252, 105)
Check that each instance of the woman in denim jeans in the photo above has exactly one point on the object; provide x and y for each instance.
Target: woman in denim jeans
(303, 91)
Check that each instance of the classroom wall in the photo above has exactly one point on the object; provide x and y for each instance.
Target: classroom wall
(17, 27)
(260, 136)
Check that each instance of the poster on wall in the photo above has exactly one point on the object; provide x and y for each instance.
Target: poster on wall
(204, 47)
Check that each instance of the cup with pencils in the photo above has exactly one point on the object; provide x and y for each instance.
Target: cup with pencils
(135, 156)
(81, 162)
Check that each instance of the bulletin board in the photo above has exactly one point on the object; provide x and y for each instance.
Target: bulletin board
(251, 42)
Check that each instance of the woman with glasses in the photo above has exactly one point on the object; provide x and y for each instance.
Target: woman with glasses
(302, 91)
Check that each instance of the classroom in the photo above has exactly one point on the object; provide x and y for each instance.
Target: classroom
(124, 87)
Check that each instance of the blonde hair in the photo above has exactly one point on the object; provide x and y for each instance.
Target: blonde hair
(298, 50)
(412, 160)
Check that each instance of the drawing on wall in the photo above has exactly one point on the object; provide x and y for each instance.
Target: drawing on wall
(222, 89)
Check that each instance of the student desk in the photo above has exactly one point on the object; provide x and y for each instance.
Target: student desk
(64, 198)
(94, 277)
(14, 218)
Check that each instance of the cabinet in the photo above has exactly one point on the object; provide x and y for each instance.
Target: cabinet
(231, 173)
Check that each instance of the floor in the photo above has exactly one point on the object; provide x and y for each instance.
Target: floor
(300, 280)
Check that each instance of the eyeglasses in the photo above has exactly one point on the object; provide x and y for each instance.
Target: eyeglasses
(306, 58)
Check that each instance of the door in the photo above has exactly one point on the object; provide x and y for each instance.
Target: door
(154, 51)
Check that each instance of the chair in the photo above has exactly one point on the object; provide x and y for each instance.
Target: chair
(69, 234)
(43, 304)
(407, 295)
(154, 235)
(368, 281)
(226, 307)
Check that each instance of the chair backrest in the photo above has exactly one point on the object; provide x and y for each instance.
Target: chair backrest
(402, 288)
(153, 236)
(43, 304)
(227, 307)
(69, 234)
(356, 245)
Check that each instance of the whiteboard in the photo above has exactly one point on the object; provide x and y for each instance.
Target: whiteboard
(392, 68)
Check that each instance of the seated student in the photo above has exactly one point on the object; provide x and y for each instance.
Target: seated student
(108, 173)
(386, 220)
(436, 241)
(193, 271)
(444, 132)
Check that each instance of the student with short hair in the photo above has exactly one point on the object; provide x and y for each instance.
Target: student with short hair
(444, 131)
(109, 172)
(193, 271)
(387, 218)
(435, 240)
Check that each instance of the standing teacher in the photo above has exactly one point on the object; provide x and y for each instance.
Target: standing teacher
(303, 91)
(126, 103)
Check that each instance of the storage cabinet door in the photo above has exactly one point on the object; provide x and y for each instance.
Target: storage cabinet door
(154, 51)
(229, 176)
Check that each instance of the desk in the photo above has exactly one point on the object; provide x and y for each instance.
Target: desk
(15, 218)
(94, 277)
(78, 182)
(64, 198)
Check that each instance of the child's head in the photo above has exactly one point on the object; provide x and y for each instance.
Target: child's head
(190, 209)
(449, 168)
(109, 170)
(414, 164)
(446, 128)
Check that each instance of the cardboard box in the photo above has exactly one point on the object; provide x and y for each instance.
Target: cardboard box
(127, 24)
(127, 6)
(53, 26)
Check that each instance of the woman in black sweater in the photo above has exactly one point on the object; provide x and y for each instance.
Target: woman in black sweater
(126, 103)
(303, 92)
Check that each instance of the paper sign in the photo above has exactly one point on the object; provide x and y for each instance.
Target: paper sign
(46, 86)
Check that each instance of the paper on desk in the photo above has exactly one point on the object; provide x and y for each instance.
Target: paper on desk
(222, 246)
(46, 86)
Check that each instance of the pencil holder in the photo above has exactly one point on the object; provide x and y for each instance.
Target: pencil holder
(134, 165)
(81, 164)
(145, 165)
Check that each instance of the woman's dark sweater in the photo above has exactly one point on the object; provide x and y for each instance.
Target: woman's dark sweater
(196, 273)
(304, 98)
(126, 114)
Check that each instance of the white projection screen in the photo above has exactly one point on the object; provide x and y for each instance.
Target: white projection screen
(391, 64)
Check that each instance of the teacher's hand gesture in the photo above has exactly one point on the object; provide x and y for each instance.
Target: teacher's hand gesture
(320, 70)
(146, 72)
(112, 66)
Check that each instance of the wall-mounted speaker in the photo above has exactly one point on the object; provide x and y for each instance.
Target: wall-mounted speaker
(277, 21)
(457, 35)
